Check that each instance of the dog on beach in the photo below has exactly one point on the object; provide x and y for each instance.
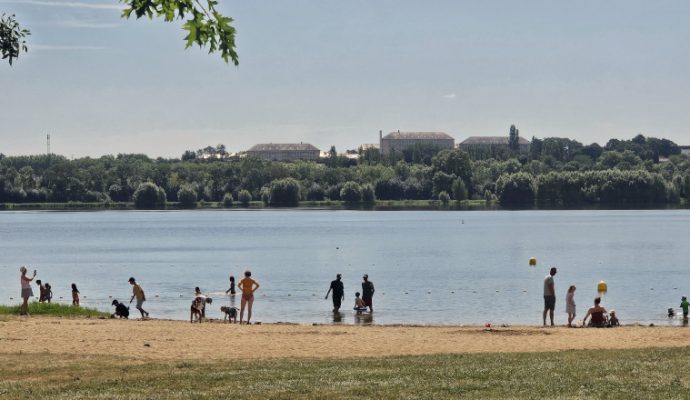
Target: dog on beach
(121, 310)
(198, 308)
(229, 314)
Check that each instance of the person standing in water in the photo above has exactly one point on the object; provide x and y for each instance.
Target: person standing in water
(231, 290)
(549, 295)
(338, 292)
(248, 286)
(368, 292)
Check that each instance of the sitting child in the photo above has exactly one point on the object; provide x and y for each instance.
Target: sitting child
(121, 310)
(613, 319)
(359, 304)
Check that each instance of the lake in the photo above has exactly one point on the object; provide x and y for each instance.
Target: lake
(429, 267)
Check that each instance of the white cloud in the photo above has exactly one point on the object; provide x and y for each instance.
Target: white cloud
(87, 24)
(66, 4)
(449, 96)
(49, 47)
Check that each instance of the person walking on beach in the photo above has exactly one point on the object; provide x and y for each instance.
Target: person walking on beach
(75, 295)
(368, 292)
(248, 286)
(338, 292)
(138, 292)
(27, 292)
(549, 295)
(570, 305)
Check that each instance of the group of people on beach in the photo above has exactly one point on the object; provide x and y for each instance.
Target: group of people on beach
(598, 316)
(45, 291)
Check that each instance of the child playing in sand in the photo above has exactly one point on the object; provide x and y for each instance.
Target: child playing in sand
(75, 295)
(684, 305)
(359, 304)
(570, 305)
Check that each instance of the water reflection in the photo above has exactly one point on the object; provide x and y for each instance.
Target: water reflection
(337, 317)
(364, 318)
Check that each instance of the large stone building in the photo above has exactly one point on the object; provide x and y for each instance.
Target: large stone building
(491, 144)
(284, 151)
(399, 141)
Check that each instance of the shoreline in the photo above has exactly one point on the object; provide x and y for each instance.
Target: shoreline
(166, 340)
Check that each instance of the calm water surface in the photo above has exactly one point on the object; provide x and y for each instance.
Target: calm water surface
(429, 267)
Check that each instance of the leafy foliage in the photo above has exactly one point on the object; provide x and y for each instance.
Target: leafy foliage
(149, 196)
(284, 192)
(244, 197)
(351, 192)
(12, 38)
(205, 25)
(228, 200)
(187, 196)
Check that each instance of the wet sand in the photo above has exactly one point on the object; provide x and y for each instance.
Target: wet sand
(158, 340)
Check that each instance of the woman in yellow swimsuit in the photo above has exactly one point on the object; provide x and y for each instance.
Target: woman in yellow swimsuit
(248, 286)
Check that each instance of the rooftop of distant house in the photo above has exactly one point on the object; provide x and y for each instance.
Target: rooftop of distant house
(418, 135)
(496, 140)
(283, 147)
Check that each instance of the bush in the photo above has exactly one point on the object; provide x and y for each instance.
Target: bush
(244, 197)
(228, 200)
(316, 193)
(444, 197)
(284, 192)
(390, 189)
(351, 192)
(117, 193)
(368, 194)
(149, 196)
(187, 196)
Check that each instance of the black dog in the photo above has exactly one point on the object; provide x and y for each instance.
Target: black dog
(121, 310)
(230, 313)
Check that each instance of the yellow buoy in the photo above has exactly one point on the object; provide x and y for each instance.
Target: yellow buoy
(533, 262)
(602, 287)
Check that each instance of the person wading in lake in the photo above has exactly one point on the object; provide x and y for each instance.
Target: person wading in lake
(338, 292)
(138, 292)
(549, 295)
(248, 286)
(27, 292)
(368, 292)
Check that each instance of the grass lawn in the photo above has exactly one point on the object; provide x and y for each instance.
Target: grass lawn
(54, 309)
(609, 374)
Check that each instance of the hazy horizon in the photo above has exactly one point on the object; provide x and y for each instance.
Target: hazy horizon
(334, 73)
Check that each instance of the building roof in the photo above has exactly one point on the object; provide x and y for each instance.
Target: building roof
(502, 140)
(418, 135)
(283, 147)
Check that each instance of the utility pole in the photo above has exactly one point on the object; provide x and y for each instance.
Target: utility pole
(48, 143)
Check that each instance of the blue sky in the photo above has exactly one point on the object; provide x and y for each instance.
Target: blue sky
(335, 72)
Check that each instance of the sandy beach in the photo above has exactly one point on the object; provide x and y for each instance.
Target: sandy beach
(158, 340)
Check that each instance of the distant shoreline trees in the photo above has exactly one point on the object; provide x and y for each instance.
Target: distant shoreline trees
(557, 172)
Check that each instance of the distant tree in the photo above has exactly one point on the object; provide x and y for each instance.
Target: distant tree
(315, 192)
(443, 182)
(515, 189)
(117, 193)
(454, 162)
(390, 189)
(368, 195)
(244, 197)
(444, 197)
(535, 149)
(514, 139)
(228, 200)
(459, 190)
(188, 155)
(12, 38)
(187, 196)
(285, 192)
(333, 192)
(149, 196)
(351, 192)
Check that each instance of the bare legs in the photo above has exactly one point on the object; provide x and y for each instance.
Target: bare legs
(24, 309)
(550, 314)
(246, 302)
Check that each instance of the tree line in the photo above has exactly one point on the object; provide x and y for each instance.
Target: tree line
(556, 172)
